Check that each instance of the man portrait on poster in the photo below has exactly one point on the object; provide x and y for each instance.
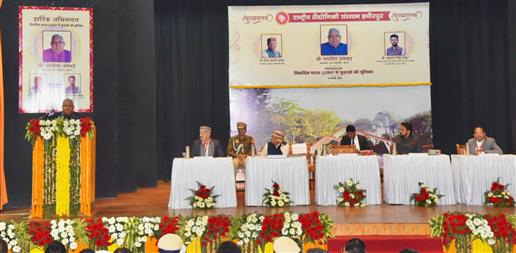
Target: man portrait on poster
(57, 51)
(334, 46)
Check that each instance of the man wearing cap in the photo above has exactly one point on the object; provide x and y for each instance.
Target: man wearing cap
(206, 146)
(240, 146)
(170, 243)
(276, 146)
(286, 245)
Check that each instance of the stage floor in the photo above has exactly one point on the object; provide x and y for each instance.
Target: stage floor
(370, 220)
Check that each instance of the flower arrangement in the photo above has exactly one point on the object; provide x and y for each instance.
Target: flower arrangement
(498, 195)
(275, 197)
(291, 226)
(248, 229)
(98, 234)
(48, 128)
(202, 197)
(251, 230)
(497, 231)
(351, 194)
(426, 197)
(7, 233)
(193, 228)
(62, 230)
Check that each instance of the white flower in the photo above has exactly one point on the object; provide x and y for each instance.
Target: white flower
(120, 242)
(137, 244)
(16, 248)
(292, 231)
(73, 245)
(428, 202)
(351, 195)
(280, 203)
(295, 216)
(349, 182)
(64, 241)
(359, 186)
(273, 203)
(477, 222)
(491, 241)
(346, 204)
(341, 189)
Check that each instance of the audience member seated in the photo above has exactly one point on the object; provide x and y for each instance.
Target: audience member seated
(122, 250)
(170, 243)
(286, 245)
(316, 251)
(87, 251)
(229, 247)
(3, 246)
(55, 247)
(354, 245)
(408, 251)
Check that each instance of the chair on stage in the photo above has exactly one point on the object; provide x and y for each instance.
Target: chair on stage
(461, 149)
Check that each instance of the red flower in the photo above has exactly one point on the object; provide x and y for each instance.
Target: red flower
(311, 225)
(97, 232)
(275, 186)
(169, 225)
(34, 127)
(497, 187)
(86, 126)
(218, 227)
(40, 233)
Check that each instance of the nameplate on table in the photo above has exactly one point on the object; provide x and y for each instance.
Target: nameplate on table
(418, 154)
(299, 149)
(489, 154)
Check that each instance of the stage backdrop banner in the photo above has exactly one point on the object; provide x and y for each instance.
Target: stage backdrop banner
(56, 58)
(329, 46)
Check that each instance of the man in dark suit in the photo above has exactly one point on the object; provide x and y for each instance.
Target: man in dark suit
(352, 138)
(206, 146)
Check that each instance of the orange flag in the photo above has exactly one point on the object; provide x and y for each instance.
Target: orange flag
(3, 188)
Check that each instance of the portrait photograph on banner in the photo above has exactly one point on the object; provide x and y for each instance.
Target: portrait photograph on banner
(56, 58)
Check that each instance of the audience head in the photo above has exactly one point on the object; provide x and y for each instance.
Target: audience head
(169, 243)
(408, 251)
(122, 250)
(405, 129)
(286, 245)
(355, 245)
(55, 247)
(479, 133)
(351, 132)
(3, 246)
(316, 251)
(229, 247)
(87, 251)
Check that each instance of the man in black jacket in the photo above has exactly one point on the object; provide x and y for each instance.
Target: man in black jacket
(352, 138)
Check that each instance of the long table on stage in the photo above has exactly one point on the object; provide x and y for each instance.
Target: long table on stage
(473, 175)
(290, 173)
(402, 173)
(334, 169)
(210, 171)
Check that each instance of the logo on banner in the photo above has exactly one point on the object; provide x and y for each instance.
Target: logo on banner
(406, 16)
(282, 18)
(257, 19)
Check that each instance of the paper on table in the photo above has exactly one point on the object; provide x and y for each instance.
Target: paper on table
(299, 149)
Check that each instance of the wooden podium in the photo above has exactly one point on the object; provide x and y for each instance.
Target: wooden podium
(63, 174)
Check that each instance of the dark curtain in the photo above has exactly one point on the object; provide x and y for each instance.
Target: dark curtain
(124, 97)
(470, 73)
(192, 74)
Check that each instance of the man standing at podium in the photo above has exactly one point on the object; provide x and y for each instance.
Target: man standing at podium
(240, 146)
(206, 146)
(67, 112)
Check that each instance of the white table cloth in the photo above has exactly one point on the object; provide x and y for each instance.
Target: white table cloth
(473, 175)
(209, 171)
(290, 173)
(401, 174)
(334, 169)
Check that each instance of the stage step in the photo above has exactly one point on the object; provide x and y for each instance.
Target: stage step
(391, 244)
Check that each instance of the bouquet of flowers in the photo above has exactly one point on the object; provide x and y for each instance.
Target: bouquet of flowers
(275, 197)
(40, 233)
(250, 229)
(7, 233)
(291, 226)
(498, 196)
(46, 128)
(480, 228)
(426, 196)
(217, 228)
(202, 197)
(168, 225)
(116, 228)
(350, 194)
(193, 228)
(98, 234)
(63, 231)
(87, 126)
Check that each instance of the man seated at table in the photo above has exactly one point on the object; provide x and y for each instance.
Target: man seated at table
(406, 141)
(240, 146)
(276, 146)
(352, 138)
(206, 146)
(481, 143)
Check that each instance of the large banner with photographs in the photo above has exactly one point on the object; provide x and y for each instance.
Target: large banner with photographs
(312, 70)
(56, 58)
(335, 46)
